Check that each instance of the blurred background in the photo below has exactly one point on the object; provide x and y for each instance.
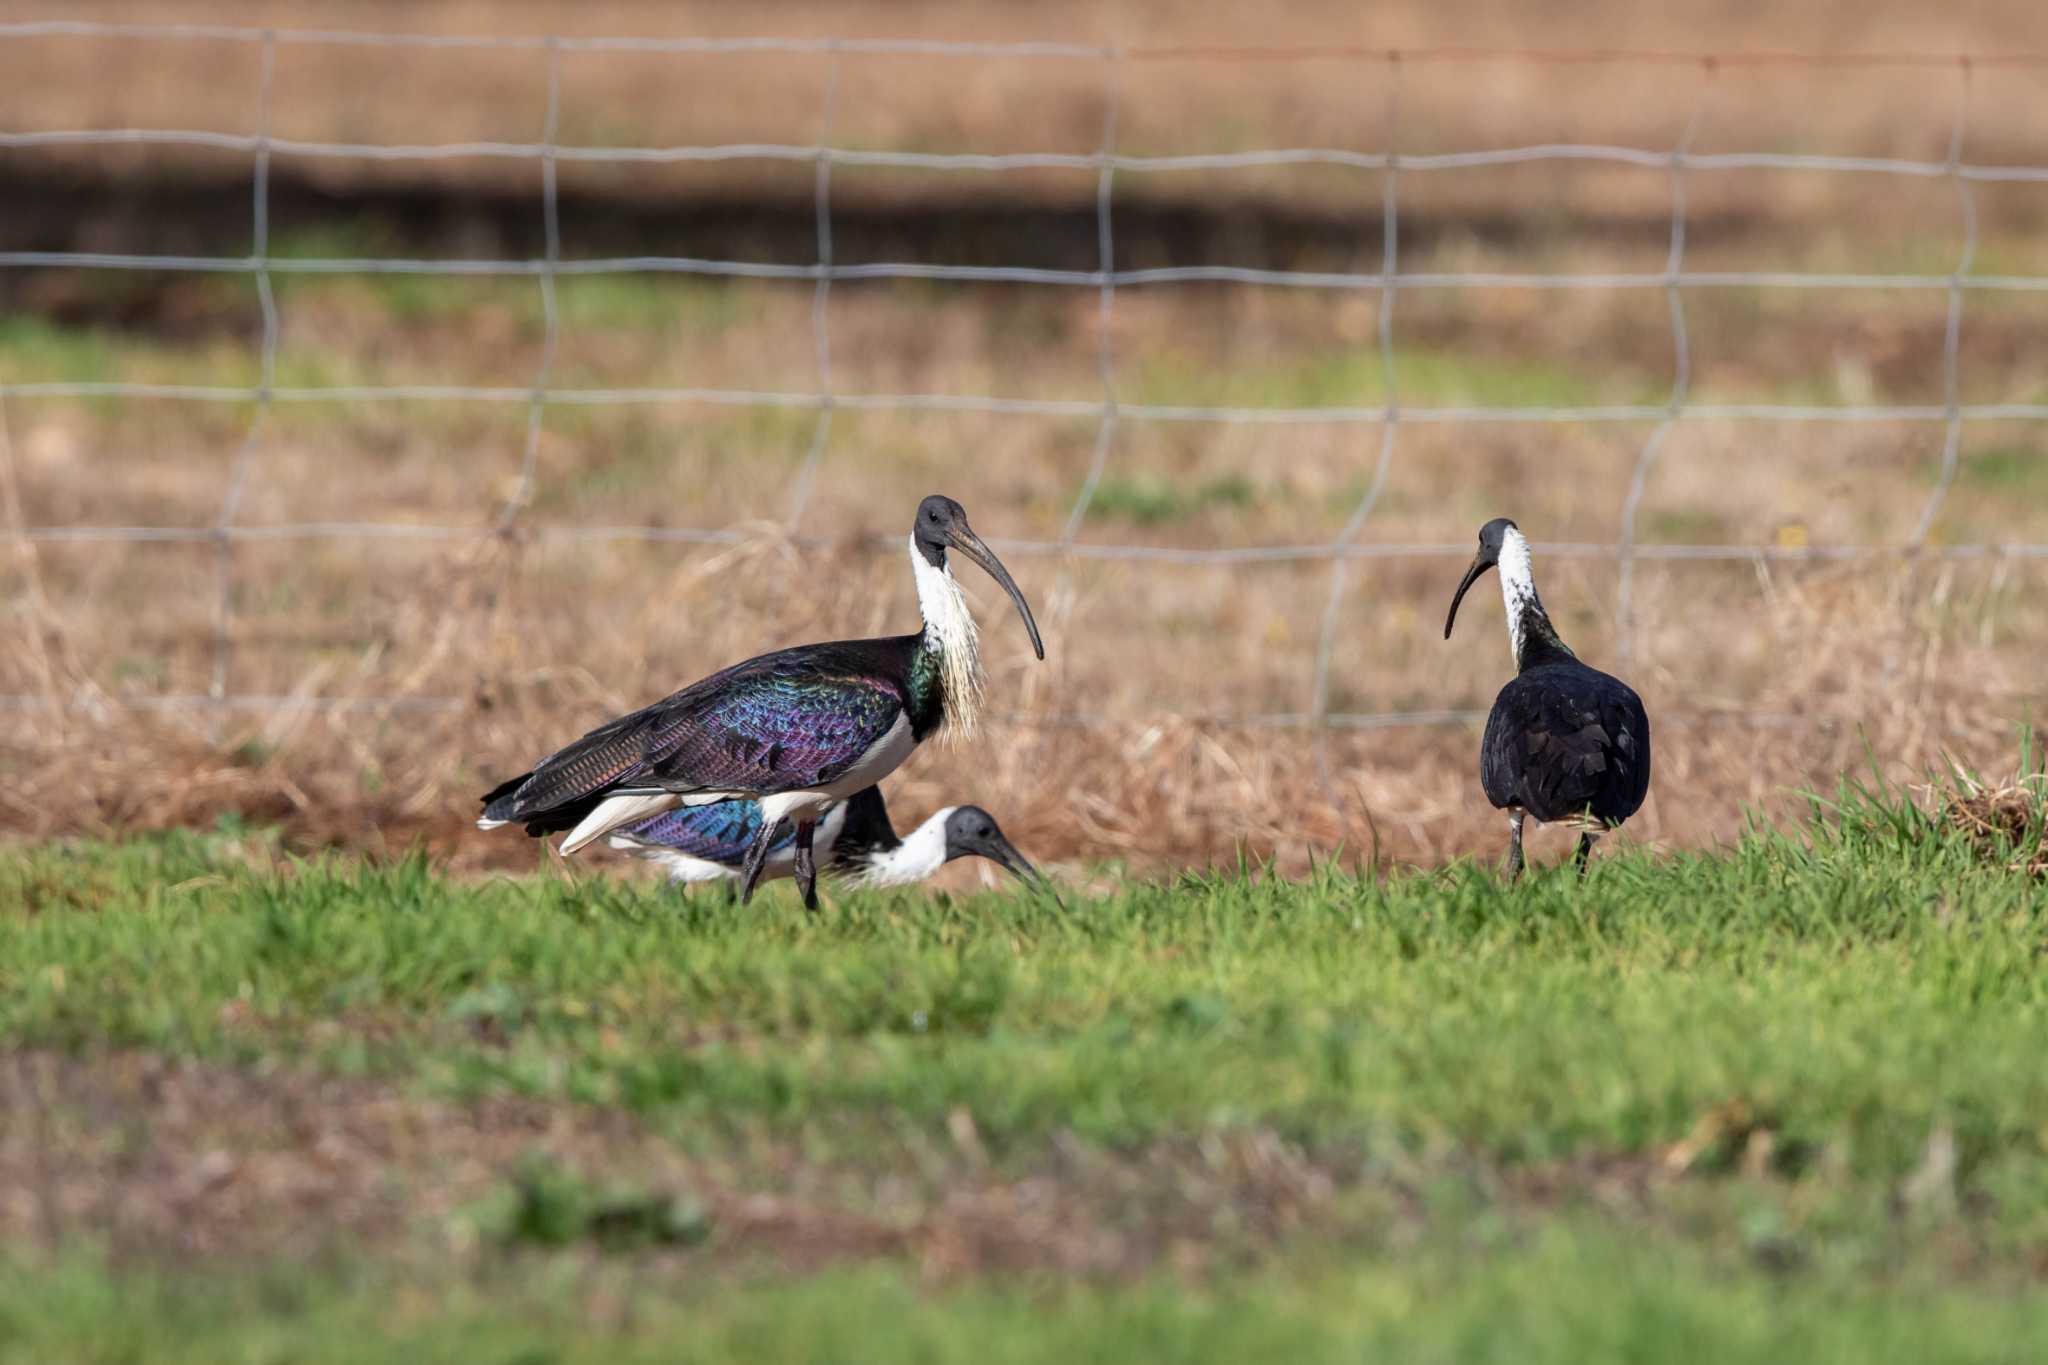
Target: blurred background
(376, 416)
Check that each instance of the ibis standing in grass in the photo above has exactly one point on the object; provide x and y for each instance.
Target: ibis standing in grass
(854, 840)
(795, 730)
(1564, 742)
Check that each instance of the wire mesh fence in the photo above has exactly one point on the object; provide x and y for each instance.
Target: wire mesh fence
(539, 393)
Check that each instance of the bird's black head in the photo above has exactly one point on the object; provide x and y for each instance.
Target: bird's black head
(1493, 534)
(942, 525)
(972, 832)
(1491, 537)
(937, 515)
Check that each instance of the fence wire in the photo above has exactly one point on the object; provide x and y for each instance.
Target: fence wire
(1679, 162)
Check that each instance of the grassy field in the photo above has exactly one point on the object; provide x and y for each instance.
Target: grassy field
(1783, 1096)
(296, 1067)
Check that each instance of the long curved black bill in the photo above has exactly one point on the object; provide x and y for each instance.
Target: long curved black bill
(1003, 854)
(1479, 566)
(969, 544)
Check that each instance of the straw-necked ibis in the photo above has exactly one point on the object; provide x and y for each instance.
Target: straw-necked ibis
(854, 840)
(795, 730)
(1564, 741)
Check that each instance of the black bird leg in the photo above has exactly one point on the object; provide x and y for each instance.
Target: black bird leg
(757, 858)
(1586, 838)
(1513, 867)
(806, 869)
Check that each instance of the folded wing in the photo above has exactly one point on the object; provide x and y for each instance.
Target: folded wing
(788, 721)
(1564, 747)
(719, 833)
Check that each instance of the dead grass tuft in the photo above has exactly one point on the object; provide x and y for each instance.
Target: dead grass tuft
(2004, 824)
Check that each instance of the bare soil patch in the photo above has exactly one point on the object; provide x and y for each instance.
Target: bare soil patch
(177, 1161)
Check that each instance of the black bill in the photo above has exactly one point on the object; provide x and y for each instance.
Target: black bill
(1003, 854)
(1479, 566)
(963, 539)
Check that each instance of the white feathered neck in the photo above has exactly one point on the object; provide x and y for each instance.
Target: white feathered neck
(917, 857)
(1534, 638)
(1517, 588)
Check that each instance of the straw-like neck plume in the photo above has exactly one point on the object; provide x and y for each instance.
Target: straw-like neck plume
(951, 638)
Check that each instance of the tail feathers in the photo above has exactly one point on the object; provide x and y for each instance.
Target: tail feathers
(588, 817)
(615, 811)
(498, 810)
(498, 802)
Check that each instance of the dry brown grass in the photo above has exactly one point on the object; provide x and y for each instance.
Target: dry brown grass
(2003, 823)
(1155, 787)
(538, 640)
(1761, 678)
(1169, 105)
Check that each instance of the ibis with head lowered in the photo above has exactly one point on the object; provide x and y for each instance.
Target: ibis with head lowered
(796, 730)
(854, 840)
(1564, 742)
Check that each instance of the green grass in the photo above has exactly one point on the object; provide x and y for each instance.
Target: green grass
(1812, 1016)
(1850, 997)
(1355, 377)
(635, 451)
(1148, 500)
(660, 304)
(35, 350)
(1684, 525)
(1562, 1296)
(2006, 470)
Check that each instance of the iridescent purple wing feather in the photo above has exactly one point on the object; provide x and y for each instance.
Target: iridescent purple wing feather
(719, 833)
(786, 721)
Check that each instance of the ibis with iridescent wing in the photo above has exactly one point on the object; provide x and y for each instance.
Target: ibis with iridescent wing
(796, 730)
(855, 840)
(1564, 742)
